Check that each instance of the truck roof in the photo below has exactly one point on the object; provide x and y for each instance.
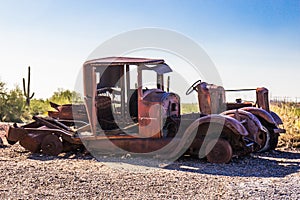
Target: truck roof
(123, 61)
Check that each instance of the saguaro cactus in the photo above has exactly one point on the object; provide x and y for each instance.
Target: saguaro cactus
(27, 92)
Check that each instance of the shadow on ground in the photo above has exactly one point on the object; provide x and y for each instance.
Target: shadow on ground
(67, 155)
(277, 164)
(269, 164)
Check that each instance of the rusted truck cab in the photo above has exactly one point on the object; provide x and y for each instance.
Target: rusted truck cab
(114, 103)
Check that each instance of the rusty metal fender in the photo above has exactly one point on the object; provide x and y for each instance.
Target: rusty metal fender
(234, 125)
(15, 134)
(237, 130)
(251, 123)
(276, 118)
(248, 114)
(260, 113)
(188, 135)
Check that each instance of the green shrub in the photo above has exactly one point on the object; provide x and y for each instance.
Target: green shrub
(13, 109)
(11, 104)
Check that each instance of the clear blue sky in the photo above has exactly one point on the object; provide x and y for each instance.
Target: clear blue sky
(252, 43)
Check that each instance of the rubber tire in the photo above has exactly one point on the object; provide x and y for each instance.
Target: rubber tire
(273, 141)
(11, 142)
(218, 151)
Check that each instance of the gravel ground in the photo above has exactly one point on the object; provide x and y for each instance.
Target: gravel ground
(273, 175)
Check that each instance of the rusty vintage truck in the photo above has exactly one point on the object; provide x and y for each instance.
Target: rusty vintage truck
(118, 118)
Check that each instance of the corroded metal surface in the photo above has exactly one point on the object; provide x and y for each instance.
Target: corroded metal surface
(117, 118)
(218, 151)
(211, 98)
(31, 136)
(51, 145)
(68, 112)
(251, 123)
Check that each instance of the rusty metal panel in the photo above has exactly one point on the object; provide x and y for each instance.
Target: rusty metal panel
(211, 98)
(68, 112)
(262, 96)
(150, 119)
(15, 134)
(251, 123)
(132, 145)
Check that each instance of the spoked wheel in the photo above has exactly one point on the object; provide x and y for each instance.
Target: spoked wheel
(218, 151)
(51, 145)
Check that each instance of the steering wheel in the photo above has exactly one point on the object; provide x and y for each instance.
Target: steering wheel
(192, 88)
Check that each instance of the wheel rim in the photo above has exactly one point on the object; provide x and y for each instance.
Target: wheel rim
(218, 151)
(51, 145)
(266, 143)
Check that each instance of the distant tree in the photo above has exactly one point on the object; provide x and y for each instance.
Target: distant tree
(38, 107)
(63, 96)
(3, 98)
(13, 103)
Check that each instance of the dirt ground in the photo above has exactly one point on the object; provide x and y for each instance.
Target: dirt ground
(23, 175)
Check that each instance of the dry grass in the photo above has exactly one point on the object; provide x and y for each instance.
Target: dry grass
(290, 115)
(189, 108)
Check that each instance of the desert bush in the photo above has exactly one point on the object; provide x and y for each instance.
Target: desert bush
(13, 109)
(11, 104)
(61, 96)
(39, 107)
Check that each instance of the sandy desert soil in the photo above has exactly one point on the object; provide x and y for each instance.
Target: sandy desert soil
(23, 175)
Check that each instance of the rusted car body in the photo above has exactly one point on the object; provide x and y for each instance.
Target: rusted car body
(118, 118)
(263, 125)
(68, 112)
